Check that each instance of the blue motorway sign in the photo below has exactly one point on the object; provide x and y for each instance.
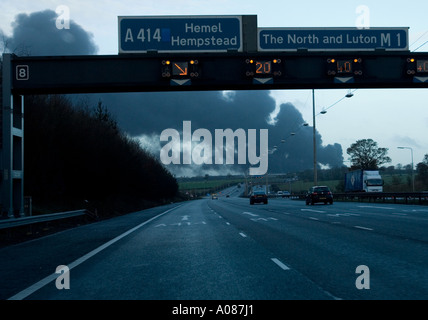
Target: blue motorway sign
(180, 34)
(332, 39)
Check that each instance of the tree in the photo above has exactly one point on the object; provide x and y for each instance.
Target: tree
(102, 114)
(365, 154)
(73, 155)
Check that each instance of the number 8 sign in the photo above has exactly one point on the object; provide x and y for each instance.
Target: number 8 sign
(22, 72)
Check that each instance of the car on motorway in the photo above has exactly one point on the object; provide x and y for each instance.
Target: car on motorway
(286, 194)
(319, 194)
(214, 196)
(259, 196)
(283, 194)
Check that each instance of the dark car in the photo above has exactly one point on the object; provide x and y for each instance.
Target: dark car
(319, 194)
(258, 197)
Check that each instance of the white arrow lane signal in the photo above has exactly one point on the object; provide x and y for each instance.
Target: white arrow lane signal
(420, 79)
(181, 82)
(263, 80)
(344, 79)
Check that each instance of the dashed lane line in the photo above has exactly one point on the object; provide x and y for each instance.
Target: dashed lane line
(363, 228)
(280, 264)
(311, 210)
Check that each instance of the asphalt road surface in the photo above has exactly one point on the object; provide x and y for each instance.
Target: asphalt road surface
(227, 249)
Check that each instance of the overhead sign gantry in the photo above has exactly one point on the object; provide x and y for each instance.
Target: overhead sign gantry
(201, 53)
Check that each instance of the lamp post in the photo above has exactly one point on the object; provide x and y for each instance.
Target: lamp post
(413, 173)
(314, 139)
(324, 111)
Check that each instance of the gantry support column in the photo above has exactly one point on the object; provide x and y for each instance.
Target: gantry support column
(12, 145)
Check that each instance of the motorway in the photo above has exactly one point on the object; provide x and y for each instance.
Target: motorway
(227, 249)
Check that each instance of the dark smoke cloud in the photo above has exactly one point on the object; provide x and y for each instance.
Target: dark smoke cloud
(146, 115)
(36, 34)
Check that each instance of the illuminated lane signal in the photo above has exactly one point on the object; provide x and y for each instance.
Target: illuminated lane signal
(422, 66)
(344, 67)
(180, 69)
(261, 68)
(417, 67)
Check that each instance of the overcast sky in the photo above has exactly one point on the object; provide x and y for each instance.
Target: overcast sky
(391, 117)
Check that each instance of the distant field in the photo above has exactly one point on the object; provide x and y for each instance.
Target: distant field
(213, 184)
(393, 183)
(302, 186)
(209, 185)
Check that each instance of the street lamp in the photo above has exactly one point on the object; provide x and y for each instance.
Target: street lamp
(324, 111)
(413, 174)
(349, 94)
(314, 139)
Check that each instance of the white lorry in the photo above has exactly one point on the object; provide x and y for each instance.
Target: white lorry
(363, 181)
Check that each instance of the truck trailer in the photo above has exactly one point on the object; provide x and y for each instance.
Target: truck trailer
(363, 181)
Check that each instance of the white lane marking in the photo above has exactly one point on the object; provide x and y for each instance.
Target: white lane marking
(363, 228)
(374, 207)
(251, 214)
(342, 214)
(416, 210)
(185, 218)
(179, 224)
(312, 218)
(310, 210)
(264, 219)
(400, 214)
(38, 285)
(280, 264)
(243, 234)
(228, 223)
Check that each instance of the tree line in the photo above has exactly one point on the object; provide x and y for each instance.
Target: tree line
(76, 156)
(365, 154)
